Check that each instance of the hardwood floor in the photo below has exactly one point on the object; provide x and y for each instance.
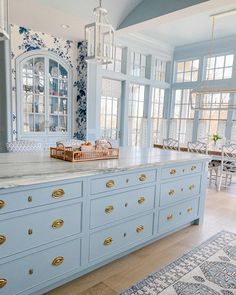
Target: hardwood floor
(111, 279)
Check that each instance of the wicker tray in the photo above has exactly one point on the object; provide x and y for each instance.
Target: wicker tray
(68, 154)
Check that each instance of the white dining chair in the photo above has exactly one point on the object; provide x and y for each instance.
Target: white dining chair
(228, 165)
(171, 144)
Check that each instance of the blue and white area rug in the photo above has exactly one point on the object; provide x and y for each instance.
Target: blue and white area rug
(209, 269)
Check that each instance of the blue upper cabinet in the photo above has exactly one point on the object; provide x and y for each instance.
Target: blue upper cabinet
(43, 96)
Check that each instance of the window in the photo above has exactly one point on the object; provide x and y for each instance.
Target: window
(44, 95)
(182, 119)
(187, 71)
(137, 122)
(212, 121)
(110, 101)
(219, 67)
(116, 65)
(138, 64)
(158, 124)
(160, 70)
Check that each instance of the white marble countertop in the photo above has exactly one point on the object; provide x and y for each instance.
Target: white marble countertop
(19, 169)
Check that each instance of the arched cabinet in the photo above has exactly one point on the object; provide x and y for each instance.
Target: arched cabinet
(44, 97)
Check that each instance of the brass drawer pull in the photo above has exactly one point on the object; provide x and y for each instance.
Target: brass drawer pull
(30, 231)
(31, 271)
(59, 193)
(189, 210)
(110, 183)
(107, 241)
(109, 209)
(3, 283)
(173, 171)
(142, 177)
(2, 204)
(171, 192)
(191, 187)
(58, 261)
(139, 229)
(141, 200)
(169, 217)
(2, 239)
(193, 168)
(30, 199)
(57, 223)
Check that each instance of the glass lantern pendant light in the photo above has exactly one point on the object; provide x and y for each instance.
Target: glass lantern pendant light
(4, 25)
(225, 97)
(100, 38)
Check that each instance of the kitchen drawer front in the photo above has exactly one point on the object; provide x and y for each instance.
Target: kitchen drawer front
(106, 242)
(111, 183)
(178, 215)
(179, 190)
(176, 171)
(36, 229)
(35, 269)
(39, 196)
(115, 207)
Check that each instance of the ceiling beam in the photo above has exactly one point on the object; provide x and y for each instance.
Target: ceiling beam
(151, 9)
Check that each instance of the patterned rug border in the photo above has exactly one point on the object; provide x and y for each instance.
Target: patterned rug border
(163, 269)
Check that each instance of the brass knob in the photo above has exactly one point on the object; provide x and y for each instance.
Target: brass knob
(191, 187)
(169, 217)
(171, 192)
(189, 210)
(57, 223)
(173, 171)
(3, 283)
(109, 209)
(30, 199)
(58, 261)
(30, 231)
(139, 229)
(2, 239)
(193, 168)
(141, 200)
(59, 193)
(31, 271)
(2, 204)
(110, 183)
(142, 177)
(107, 241)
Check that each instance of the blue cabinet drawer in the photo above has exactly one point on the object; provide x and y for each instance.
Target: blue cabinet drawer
(176, 171)
(36, 269)
(39, 196)
(118, 206)
(112, 240)
(179, 190)
(29, 231)
(111, 183)
(178, 215)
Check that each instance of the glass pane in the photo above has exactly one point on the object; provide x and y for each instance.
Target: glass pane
(39, 123)
(194, 76)
(180, 77)
(53, 87)
(63, 106)
(53, 68)
(39, 84)
(53, 123)
(211, 63)
(39, 66)
(28, 68)
(28, 103)
(188, 66)
(63, 123)
(53, 105)
(180, 67)
(219, 74)
(39, 106)
(229, 60)
(63, 72)
(63, 88)
(187, 77)
(228, 73)
(220, 60)
(195, 65)
(28, 84)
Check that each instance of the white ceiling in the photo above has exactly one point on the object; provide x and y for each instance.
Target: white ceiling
(47, 15)
(187, 26)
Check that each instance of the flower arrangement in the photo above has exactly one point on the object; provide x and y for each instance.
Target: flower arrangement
(216, 137)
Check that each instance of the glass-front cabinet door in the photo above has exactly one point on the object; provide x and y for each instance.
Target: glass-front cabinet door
(44, 100)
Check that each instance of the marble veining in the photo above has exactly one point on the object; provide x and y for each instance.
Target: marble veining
(19, 169)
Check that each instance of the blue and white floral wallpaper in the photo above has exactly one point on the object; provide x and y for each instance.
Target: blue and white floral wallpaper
(24, 40)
